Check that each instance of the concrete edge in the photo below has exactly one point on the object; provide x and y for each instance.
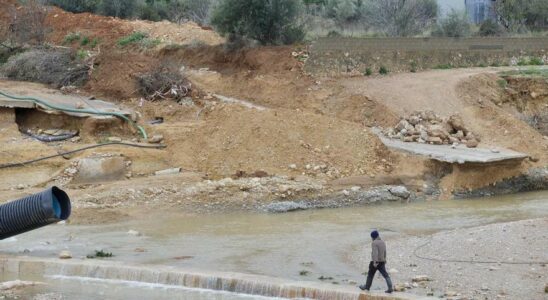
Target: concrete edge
(35, 268)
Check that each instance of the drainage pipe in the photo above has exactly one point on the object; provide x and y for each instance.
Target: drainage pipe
(34, 211)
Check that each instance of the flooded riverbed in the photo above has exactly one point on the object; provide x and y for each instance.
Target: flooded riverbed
(320, 242)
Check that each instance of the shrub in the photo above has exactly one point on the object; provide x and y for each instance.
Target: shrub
(401, 18)
(536, 61)
(490, 28)
(76, 6)
(94, 43)
(383, 70)
(132, 38)
(150, 43)
(454, 25)
(71, 37)
(502, 83)
(269, 22)
(413, 67)
(82, 54)
(368, 72)
(57, 67)
(118, 8)
(162, 83)
(443, 66)
(523, 62)
(334, 34)
(85, 41)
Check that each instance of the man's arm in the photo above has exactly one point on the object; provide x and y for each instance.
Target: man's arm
(375, 253)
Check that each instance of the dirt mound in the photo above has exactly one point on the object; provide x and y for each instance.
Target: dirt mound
(280, 142)
(115, 75)
(217, 58)
(188, 33)
(527, 98)
(107, 30)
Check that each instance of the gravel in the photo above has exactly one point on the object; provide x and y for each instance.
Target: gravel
(504, 243)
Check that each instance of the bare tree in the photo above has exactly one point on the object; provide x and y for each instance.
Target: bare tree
(401, 17)
(28, 24)
(194, 10)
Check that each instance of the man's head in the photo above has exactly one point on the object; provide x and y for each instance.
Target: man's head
(374, 234)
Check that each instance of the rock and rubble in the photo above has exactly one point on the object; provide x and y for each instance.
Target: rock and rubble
(511, 277)
(428, 127)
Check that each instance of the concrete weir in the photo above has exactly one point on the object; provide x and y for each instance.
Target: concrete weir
(36, 269)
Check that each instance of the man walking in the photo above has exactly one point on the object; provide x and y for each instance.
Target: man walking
(378, 262)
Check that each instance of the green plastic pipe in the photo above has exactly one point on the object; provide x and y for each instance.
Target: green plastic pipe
(76, 110)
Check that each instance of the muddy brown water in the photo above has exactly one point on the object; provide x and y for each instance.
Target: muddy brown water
(280, 245)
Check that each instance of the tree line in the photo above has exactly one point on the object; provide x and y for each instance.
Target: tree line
(289, 21)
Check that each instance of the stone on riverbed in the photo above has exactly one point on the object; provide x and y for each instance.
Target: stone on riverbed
(421, 278)
(400, 191)
(286, 206)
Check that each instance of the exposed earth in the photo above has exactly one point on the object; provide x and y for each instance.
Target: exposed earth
(256, 130)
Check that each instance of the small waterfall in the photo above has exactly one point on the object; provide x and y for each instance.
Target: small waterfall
(167, 276)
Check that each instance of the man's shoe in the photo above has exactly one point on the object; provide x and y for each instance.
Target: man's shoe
(363, 288)
(389, 291)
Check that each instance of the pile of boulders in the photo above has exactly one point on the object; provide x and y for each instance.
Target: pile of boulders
(428, 128)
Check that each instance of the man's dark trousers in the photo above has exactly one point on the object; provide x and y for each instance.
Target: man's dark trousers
(381, 267)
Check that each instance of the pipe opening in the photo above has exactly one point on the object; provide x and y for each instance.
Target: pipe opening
(61, 203)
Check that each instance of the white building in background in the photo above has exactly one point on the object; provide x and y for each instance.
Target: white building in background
(446, 6)
(478, 10)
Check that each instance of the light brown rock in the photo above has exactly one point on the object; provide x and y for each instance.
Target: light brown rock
(435, 140)
(457, 123)
(473, 143)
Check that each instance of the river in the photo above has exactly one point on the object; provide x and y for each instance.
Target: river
(322, 242)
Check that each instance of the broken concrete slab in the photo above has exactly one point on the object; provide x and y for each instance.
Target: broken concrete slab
(100, 169)
(459, 154)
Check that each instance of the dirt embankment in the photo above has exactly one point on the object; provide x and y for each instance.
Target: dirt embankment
(278, 142)
(306, 126)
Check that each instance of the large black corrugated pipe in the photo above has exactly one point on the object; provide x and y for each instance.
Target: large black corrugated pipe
(34, 211)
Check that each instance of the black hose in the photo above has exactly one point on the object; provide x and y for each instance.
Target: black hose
(28, 162)
(34, 211)
(48, 138)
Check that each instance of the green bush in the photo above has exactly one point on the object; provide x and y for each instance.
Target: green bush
(94, 43)
(150, 43)
(82, 54)
(383, 70)
(72, 37)
(368, 72)
(502, 83)
(413, 67)
(523, 62)
(132, 38)
(85, 41)
(334, 34)
(443, 67)
(76, 6)
(454, 25)
(269, 22)
(118, 8)
(536, 61)
(490, 28)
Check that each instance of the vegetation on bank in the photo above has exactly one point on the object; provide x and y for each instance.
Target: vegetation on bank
(288, 21)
